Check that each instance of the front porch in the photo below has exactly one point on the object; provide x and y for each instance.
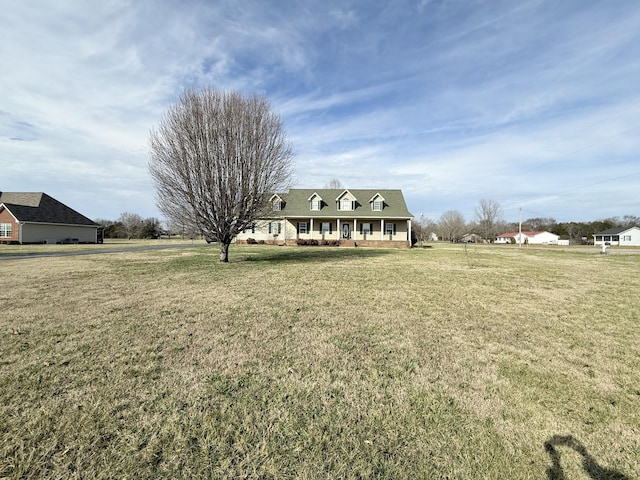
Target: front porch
(379, 233)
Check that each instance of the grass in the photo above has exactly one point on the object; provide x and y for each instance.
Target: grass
(484, 362)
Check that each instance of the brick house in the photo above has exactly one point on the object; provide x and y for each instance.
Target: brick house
(27, 217)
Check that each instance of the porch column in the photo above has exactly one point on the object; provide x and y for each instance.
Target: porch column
(311, 227)
(409, 230)
(382, 229)
(284, 230)
(355, 228)
(338, 228)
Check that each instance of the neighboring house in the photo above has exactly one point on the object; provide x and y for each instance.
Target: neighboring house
(39, 218)
(623, 237)
(377, 218)
(471, 238)
(532, 238)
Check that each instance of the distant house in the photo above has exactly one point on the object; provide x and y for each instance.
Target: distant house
(623, 237)
(375, 218)
(38, 218)
(471, 238)
(532, 238)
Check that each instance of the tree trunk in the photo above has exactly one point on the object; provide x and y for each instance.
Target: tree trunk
(224, 252)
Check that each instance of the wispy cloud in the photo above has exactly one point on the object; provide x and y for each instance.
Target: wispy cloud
(530, 102)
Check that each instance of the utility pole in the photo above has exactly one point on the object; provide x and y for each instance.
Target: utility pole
(520, 229)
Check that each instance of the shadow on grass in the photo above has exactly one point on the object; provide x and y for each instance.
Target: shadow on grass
(315, 254)
(589, 464)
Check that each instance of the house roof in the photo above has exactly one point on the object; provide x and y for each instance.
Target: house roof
(614, 231)
(296, 204)
(38, 207)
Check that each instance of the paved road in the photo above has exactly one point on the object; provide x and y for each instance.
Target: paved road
(95, 251)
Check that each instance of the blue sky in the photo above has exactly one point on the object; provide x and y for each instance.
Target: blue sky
(534, 104)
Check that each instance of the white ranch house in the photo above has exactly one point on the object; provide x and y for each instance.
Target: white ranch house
(531, 238)
(621, 237)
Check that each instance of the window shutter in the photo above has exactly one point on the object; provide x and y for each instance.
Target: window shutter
(269, 227)
(330, 225)
(298, 227)
(394, 228)
(253, 228)
(361, 228)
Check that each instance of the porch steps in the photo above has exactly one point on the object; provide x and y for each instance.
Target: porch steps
(347, 243)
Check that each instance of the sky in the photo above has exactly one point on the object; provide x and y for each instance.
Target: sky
(534, 104)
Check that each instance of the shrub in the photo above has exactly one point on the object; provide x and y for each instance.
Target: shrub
(251, 241)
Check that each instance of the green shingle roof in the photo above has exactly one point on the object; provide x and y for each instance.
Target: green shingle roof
(296, 204)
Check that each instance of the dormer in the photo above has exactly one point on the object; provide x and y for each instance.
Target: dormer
(377, 203)
(277, 203)
(315, 202)
(346, 201)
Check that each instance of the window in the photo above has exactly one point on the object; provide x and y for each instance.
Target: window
(302, 227)
(276, 205)
(325, 227)
(274, 228)
(5, 230)
(315, 204)
(377, 205)
(366, 228)
(346, 204)
(390, 229)
(626, 238)
(251, 228)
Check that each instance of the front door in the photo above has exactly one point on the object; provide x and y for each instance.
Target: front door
(346, 231)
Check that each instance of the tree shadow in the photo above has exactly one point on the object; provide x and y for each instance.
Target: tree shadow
(315, 254)
(589, 464)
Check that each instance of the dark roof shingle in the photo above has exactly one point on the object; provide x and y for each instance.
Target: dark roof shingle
(38, 207)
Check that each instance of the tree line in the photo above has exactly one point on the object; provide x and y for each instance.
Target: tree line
(488, 223)
(131, 225)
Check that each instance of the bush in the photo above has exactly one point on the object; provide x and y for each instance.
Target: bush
(329, 243)
(251, 241)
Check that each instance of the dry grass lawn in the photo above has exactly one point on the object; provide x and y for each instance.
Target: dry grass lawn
(307, 362)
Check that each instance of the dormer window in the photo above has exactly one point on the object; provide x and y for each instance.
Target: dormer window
(276, 203)
(315, 202)
(377, 203)
(346, 201)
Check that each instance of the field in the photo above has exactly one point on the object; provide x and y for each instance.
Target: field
(309, 362)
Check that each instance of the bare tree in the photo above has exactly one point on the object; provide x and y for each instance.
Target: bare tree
(424, 228)
(216, 157)
(334, 183)
(488, 214)
(539, 224)
(131, 224)
(451, 225)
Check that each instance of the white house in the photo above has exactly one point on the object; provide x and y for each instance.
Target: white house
(622, 236)
(531, 238)
(374, 218)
